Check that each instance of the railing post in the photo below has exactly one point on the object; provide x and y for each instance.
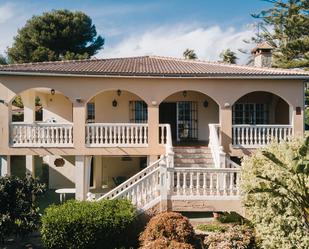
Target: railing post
(163, 186)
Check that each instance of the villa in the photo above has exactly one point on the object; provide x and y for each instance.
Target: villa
(166, 133)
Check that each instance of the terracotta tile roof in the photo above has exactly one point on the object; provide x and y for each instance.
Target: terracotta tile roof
(149, 66)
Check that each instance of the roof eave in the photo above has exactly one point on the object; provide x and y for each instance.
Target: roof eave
(161, 76)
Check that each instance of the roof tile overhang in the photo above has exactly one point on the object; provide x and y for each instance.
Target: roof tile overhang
(149, 67)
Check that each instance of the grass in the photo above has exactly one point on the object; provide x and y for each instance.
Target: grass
(212, 227)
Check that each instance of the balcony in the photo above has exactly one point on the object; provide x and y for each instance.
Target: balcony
(41, 135)
(255, 136)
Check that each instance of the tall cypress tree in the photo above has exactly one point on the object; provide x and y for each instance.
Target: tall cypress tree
(286, 27)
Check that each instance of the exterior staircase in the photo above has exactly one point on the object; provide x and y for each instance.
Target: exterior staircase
(193, 157)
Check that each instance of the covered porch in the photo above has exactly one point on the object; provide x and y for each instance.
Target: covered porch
(260, 118)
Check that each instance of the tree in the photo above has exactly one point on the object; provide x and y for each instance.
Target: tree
(3, 60)
(275, 188)
(285, 26)
(56, 35)
(19, 212)
(228, 56)
(189, 54)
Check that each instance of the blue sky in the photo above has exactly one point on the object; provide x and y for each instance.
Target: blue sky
(159, 27)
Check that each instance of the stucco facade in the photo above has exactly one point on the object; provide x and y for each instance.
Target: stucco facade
(115, 144)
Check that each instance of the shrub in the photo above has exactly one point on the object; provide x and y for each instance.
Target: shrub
(167, 227)
(19, 212)
(212, 227)
(82, 225)
(236, 237)
(165, 244)
(231, 217)
(274, 185)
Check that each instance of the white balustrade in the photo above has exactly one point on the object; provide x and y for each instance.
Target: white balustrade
(253, 136)
(41, 135)
(116, 135)
(215, 146)
(204, 183)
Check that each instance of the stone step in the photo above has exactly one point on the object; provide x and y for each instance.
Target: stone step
(193, 155)
(192, 150)
(194, 165)
(193, 160)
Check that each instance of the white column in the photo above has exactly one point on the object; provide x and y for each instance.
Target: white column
(82, 176)
(30, 166)
(5, 163)
(28, 98)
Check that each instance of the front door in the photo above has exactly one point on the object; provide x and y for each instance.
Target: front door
(168, 115)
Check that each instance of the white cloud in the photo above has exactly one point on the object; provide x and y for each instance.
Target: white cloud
(6, 12)
(173, 40)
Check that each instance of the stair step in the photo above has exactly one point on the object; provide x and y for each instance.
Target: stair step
(192, 150)
(193, 155)
(193, 160)
(194, 165)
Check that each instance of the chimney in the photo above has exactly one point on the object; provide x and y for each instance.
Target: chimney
(262, 54)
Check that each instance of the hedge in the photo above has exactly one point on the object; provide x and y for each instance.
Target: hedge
(82, 225)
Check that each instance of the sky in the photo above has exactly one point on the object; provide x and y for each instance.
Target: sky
(157, 27)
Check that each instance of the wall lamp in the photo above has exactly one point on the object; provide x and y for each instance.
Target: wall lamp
(114, 103)
(184, 93)
(2, 101)
(118, 92)
(52, 91)
(79, 100)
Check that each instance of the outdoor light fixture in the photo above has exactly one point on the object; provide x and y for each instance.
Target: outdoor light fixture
(184, 93)
(205, 103)
(79, 100)
(154, 103)
(118, 92)
(114, 103)
(52, 91)
(226, 105)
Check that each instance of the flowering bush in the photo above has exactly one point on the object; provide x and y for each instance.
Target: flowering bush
(275, 187)
(236, 237)
(167, 229)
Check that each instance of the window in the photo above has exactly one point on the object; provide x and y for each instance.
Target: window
(138, 112)
(90, 112)
(250, 113)
(187, 120)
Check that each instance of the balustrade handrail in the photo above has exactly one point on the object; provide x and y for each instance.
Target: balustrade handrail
(202, 170)
(128, 183)
(40, 124)
(168, 137)
(117, 124)
(263, 125)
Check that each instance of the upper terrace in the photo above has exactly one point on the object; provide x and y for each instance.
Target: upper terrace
(119, 103)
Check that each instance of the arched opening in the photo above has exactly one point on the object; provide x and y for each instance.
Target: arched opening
(261, 108)
(259, 117)
(42, 105)
(116, 106)
(189, 113)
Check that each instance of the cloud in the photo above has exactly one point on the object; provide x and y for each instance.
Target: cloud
(173, 40)
(6, 12)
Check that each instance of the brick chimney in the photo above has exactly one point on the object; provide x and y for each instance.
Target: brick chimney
(262, 54)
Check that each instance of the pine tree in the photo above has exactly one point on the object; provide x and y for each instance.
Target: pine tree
(228, 56)
(285, 26)
(189, 54)
(56, 35)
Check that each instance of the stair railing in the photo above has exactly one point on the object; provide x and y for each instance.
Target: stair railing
(132, 180)
(215, 146)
